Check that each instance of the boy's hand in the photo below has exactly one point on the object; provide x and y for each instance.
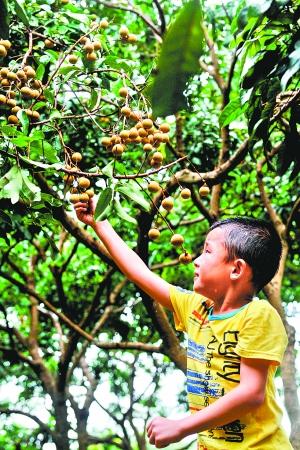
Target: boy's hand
(85, 211)
(162, 432)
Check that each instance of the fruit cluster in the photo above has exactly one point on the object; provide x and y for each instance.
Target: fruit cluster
(19, 84)
(79, 186)
(126, 36)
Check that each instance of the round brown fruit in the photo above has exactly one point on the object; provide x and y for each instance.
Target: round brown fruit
(103, 23)
(123, 91)
(177, 240)
(35, 115)
(124, 135)
(88, 47)
(132, 38)
(153, 234)
(126, 111)
(4, 71)
(148, 147)
(84, 197)
(21, 75)
(118, 149)
(26, 92)
(167, 203)
(76, 157)
(91, 56)
(68, 178)
(185, 193)
(3, 99)
(30, 72)
(97, 45)
(13, 119)
(75, 198)
(48, 43)
(84, 182)
(11, 102)
(72, 59)
(90, 193)
(147, 124)
(185, 258)
(12, 76)
(153, 186)
(157, 157)
(106, 141)
(3, 51)
(6, 43)
(15, 109)
(164, 127)
(124, 32)
(133, 133)
(204, 190)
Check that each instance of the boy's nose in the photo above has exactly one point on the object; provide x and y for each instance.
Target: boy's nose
(196, 261)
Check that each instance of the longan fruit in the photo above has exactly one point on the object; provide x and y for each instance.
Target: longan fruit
(84, 197)
(153, 234)
(90, 193)
(165, 137)
(133, 133)
(11, 102)
(97, 45)
(48, 43)
(91, 56)
(6, 43)
(3, 99)
(12, 76)
(25, 91)
(35, 115)
(68, 179)
(74, 198)
(84, 182)
(147, 124)
(72, 59)
(148, 147)
(4, 71)
(30, 72)
(15, 109)
(106, 141)
(21, 75)
(155, 164)
(126, 111)
(124, 134)
(88, 47)
(142, 132)
(13, 119)
(124, 32)
(185, 258)
(76, 157)
(164, 127)
(157, 157)
(123, 91)
(167, 203)
(11, 94)
(204, 190)
(3, 51)
(132, 38)
(185, 193)
(103, 23)
(29, 112)
(177, 240)
(153, 186)
(118, 149)
(5, 82)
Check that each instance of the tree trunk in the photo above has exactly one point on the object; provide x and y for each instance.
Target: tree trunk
(62, 425)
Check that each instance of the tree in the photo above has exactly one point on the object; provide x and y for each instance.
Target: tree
(77, 83)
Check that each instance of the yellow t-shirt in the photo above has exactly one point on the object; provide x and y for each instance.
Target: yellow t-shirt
(215, 347)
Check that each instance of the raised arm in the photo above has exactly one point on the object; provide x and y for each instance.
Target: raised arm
(130, 264)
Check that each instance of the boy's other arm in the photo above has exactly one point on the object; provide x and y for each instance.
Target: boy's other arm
(244, 398)
(130, 264)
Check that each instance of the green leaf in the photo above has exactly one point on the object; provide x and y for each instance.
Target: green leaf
(130, 191)
(4, 19)
(11, 184)
(103, 203)
(40, 71)
(29, 190)
(179, 59)
(22, 116)
(231, 111)
(108, 169)
(122, 213)
(48, 93)
(21, 13)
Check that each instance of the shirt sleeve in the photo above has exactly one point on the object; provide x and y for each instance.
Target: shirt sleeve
(262, 334)
(181, 301)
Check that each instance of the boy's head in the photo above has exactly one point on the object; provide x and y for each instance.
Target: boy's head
(256, 242)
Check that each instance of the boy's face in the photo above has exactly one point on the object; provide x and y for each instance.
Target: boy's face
(212, 271)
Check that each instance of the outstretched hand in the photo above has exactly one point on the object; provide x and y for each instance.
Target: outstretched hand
(85, 211)
(162, 432)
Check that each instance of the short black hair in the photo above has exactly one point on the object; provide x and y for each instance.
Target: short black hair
(255, 241)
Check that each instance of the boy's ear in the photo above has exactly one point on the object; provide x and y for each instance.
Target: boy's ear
(239, 267)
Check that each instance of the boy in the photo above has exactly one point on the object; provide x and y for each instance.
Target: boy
(235, 343)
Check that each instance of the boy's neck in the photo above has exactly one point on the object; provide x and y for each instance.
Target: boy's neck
(230, 303)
